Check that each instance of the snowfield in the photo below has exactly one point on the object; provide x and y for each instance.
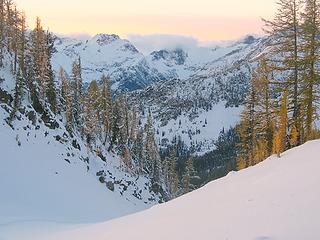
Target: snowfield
(275, 200)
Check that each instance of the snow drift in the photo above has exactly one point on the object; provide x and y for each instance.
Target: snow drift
(277, 199)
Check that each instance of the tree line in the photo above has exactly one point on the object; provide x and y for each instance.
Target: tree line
(283, 101)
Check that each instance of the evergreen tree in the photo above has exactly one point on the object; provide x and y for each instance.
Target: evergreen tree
(187, 175)
(280, 139)
(20, 57)
(152, 161)
(2, 31)
(91, 112)
(263, 107)
(285, 33)
(42, 85)
(173, 178)
(138, 150)
(66, 99)
(50, 78)
(106, 106)
(119, 123)
(127, 158)
(247, 129)
(77, 94)
(310, 47)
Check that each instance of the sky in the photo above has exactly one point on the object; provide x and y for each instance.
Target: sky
(204, 20)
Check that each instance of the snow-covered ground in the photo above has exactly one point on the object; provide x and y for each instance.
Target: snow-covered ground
(203, 129)
(277, 199)
(49, 177)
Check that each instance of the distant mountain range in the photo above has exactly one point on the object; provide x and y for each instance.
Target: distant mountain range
(130, 69)
(192, 93)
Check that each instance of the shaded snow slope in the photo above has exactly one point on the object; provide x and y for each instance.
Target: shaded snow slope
(42, 178)
(277, 199)
(49, 176)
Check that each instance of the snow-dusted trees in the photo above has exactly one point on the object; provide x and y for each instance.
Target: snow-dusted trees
(118, 122)
(137, 150)
(2, 36)
(12, 40)
(19, 61)
(91, 108)
(77, 94)
(106, 107)
(66, 99)
(151, 153)
(42, 85)
(188, 172)
(172, 178)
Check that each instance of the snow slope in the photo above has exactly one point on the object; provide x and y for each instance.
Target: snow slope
(277, 199)
(201, 130)
(45, 180)
(51, 177)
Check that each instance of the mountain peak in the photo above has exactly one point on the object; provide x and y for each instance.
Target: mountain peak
(104, 39)
(177, 55)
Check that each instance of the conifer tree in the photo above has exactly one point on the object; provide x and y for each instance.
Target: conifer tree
(310, 47)
(247, 128)
(106, 106)
(133, 128)
(18, 94)
(51, 90)
(66, 99)
(77, 94)
(172, 174)
(22, 39)
(2, 31)
(187, 175)
(280, 141)
(263, 106)
(285, 33)
(20, 57)
(241, 162)
(138, 150)
(127, 158)
(293, 137)
(39, 59)
(91, 112)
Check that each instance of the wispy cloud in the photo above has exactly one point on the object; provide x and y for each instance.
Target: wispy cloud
(80, 36)
(153, 42)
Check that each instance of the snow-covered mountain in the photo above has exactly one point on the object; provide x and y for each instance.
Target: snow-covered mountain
(106, 54)
(198, 107)
(193, 93)
(277, 199)
(130, 69)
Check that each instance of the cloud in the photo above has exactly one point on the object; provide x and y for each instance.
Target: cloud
(80, 36)
(154, 42)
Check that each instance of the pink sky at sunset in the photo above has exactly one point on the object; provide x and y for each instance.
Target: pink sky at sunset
(205, 20)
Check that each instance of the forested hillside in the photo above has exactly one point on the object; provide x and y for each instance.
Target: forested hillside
(182, 128)
(95, 130)
(282, 105)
